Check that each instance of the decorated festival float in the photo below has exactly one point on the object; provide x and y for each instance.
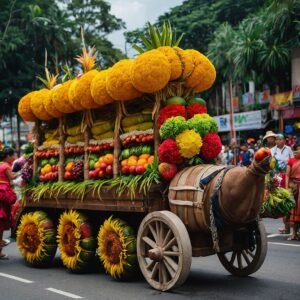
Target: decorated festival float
(124, 172)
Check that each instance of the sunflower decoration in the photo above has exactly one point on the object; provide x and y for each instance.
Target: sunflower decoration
(117, 248)
(118, 81)
(36, 238)
(82, 96)
(204, 73)
(98, 89)
(24, 108)
(75, 241)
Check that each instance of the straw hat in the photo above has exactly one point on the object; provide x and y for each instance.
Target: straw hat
(269, 134)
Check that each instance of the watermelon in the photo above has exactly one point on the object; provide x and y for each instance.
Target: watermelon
(88, 243)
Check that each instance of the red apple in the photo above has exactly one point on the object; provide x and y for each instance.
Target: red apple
(132, 170)
(167, 171)
(109, 170)
(92, 174)
(103, 166)
(140, 169)
(125, 170)
(101, 174)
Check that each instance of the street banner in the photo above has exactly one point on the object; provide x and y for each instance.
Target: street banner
(264, 97)
(281, 100)
(241, 121)
(248, 99)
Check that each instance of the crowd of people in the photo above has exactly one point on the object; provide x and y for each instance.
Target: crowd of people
(286, 151)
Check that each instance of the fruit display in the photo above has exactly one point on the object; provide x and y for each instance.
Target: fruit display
(48, 169)
(130, 139)
(27, 170)
(100, 146)
(74, 169)
(136, 165)
(74, 135)
(102, 129)
(101, 167)
(51, 137)
(140, 121)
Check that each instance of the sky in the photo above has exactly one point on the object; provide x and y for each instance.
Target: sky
(136, 13)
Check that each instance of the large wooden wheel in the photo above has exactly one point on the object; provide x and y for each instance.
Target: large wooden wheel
(243, 262)
(164, 250)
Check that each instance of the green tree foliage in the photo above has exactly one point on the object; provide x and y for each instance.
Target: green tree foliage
(29, 27)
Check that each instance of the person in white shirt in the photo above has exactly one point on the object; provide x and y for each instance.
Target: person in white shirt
(282, 154)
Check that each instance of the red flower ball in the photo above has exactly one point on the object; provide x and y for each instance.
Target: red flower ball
(168, 152)
(194, 109)
(171, 110)
(211, 147)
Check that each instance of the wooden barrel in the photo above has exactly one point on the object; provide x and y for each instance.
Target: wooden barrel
(188, 200)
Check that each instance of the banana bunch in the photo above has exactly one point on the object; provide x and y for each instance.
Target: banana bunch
(103, 129)
(278, 202)
(74, 135)
(138, 122)
(51, 137)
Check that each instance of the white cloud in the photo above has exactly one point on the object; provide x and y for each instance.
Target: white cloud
(136, 13)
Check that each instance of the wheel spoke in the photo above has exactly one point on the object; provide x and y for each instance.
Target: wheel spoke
(171, 253)
(239, 260)
(171, 271)
(154, 270)
(157, 230)
(171, 243)
(250, 253)
(154, 233)
(167, 237)
(150, 265)
(168, 260)
(232, 259)
(148, 241)
(163, 276)
(246, 258)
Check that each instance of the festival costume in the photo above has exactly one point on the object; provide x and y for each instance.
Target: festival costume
(294, 184)
(7, 198)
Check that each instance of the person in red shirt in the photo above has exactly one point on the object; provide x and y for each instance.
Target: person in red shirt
(293, 183)
(7, 195)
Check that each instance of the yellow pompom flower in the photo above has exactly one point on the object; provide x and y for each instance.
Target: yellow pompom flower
(187, 62)
(189, 143)
(83, 90)
(73, 99)
(204, 73)
(37, 105)
(24, 108)
(118, 82)
(151, 71)
(49, 105)
(174, 60)
(60, 98)
(98, 89)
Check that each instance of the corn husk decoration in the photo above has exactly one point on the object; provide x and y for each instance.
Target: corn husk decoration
(24, 108)
(36, 236)
(98, 89)
(81, 94)
(118, 82)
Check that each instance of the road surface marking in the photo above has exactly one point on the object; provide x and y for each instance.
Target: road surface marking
(284, 244)
(64, 293)
(16, 278)
(277, 234)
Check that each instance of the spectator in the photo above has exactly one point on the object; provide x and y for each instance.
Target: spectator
(246, 156)
(282, 154)
(293, 182)
(270, 139)
(7, 195)
(290, 141)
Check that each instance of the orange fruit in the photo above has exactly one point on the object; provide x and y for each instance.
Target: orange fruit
(124, 162)
(151, 159)
(134, 157)
(132, 161)
(108, 159)
(146, 165)
(145, 156)
(141, 161)
(97, 164)
(101, 159)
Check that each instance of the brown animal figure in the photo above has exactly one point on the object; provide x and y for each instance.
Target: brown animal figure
(239, 196)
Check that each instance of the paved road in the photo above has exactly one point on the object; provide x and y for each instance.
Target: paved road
(278, 278)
